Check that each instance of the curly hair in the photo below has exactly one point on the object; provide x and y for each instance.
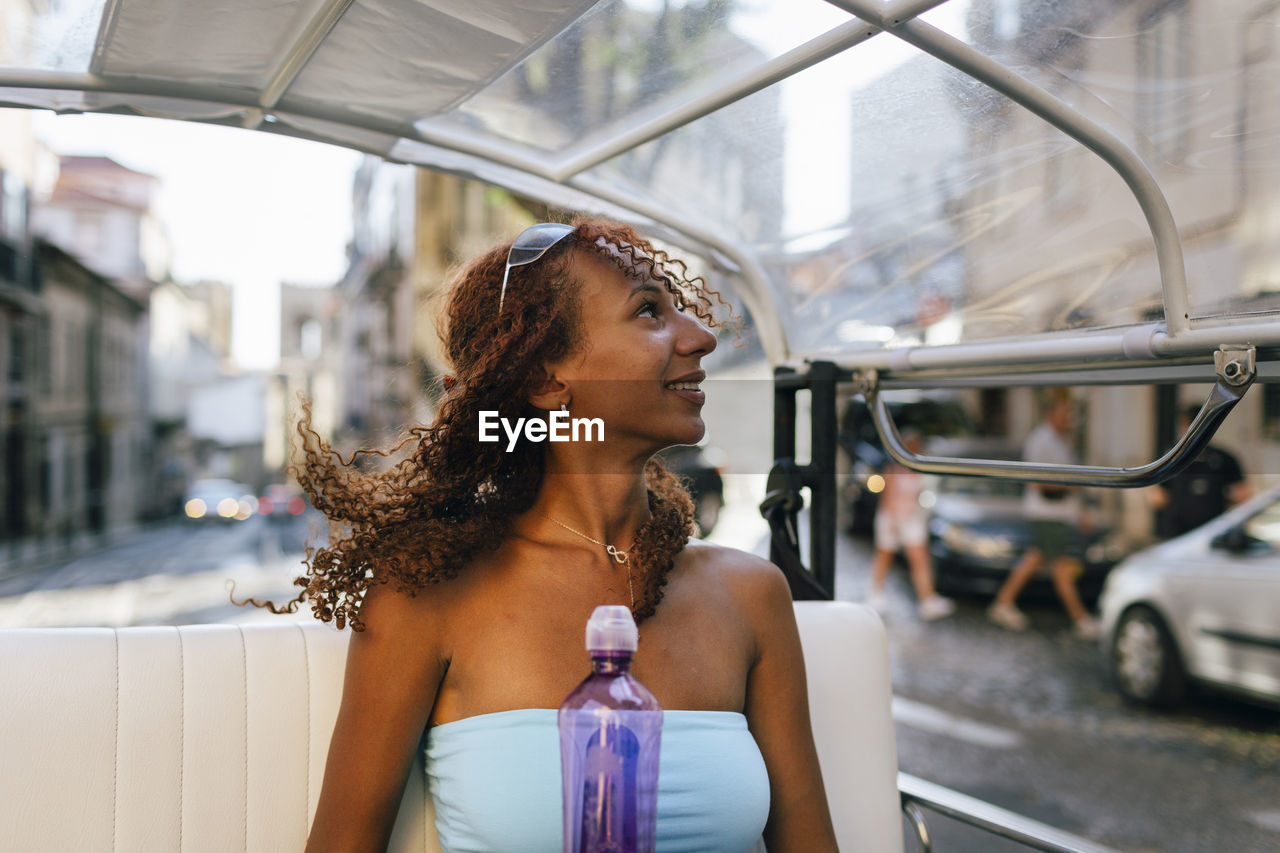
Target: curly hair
(421, 520)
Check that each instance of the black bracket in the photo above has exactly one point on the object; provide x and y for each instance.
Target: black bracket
(784, 499)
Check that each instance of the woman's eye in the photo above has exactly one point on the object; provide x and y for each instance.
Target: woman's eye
(648, 309)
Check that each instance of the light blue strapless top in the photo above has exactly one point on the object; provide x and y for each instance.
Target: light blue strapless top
(495, 782)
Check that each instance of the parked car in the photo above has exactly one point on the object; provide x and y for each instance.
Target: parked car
(702, 466)
(978, 532)
(858, 437)
(280, 502)
(1203, 608)
(218, 499)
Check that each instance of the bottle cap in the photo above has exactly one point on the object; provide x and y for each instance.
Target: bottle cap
(611, 628)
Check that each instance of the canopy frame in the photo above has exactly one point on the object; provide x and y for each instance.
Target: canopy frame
(271, 109)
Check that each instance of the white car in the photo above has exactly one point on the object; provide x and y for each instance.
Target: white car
(1204, 607)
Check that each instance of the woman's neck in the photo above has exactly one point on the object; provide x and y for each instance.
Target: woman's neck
(609, 507)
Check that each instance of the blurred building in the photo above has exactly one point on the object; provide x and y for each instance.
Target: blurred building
(1201, 108)
(894, 271)
(21, 322)
(411, 228)
(311, 359)
(376, 386)
(100, 212)
(90, 413)
(227, 422)
(209, 315)
(78, 252)
(188, 349)
(183, 353)
(455, 220)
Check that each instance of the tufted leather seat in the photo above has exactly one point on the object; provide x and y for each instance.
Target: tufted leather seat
(214, 737)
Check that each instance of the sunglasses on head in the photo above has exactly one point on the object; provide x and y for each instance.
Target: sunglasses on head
(532, 244)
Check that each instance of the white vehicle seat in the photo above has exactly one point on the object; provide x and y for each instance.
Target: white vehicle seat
(214, 737)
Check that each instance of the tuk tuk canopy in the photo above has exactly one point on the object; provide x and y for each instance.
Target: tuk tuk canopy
(911, 186)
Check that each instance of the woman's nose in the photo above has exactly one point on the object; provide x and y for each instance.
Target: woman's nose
(695, 338)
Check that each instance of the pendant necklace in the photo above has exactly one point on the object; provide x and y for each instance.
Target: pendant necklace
(617, 554)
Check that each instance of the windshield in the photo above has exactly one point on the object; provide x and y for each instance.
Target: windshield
(871, 196)
(875, 244)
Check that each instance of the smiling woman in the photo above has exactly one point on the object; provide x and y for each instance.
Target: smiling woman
(542, 350)
(468, 569)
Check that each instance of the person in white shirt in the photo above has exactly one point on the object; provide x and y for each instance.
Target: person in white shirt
(1052, 511)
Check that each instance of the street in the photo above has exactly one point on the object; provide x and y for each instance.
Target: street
(173, 573)
(1029, 721)
(1026, 721)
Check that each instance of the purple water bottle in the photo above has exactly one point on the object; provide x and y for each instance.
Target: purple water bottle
(610, 734)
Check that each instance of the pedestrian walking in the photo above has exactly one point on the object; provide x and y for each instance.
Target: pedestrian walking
(1052, 511)
(901, 525)
(1205, 489)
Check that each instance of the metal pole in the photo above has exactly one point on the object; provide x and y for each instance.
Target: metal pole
(890, 14)
(821, 473)
(784, 416)
(603, 146)
(1066, 348)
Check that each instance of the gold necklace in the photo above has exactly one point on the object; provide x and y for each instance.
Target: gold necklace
(619, 556)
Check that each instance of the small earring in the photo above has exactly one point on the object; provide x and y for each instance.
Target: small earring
(564, 407)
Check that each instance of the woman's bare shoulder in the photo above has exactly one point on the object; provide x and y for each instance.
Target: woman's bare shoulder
(749, 586)
(745, 574)
(393, 611)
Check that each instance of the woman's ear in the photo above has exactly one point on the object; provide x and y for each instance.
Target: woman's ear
(550, 393)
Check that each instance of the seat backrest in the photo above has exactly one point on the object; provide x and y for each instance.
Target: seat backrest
(214, 737)
(846, 660)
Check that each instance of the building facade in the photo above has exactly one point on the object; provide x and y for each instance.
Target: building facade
(1197, 102)
(101, 212)
(21, 323)
(412, 230)
(90, 414)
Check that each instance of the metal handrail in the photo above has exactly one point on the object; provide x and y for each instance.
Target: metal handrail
(1236, 369)
(917, 794)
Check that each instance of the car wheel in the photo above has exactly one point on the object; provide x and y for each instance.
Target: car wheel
(1145, 659)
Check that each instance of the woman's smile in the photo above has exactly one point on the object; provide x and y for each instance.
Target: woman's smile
(689, 387)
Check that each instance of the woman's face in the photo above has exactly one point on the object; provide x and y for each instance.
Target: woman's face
(638, 368)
